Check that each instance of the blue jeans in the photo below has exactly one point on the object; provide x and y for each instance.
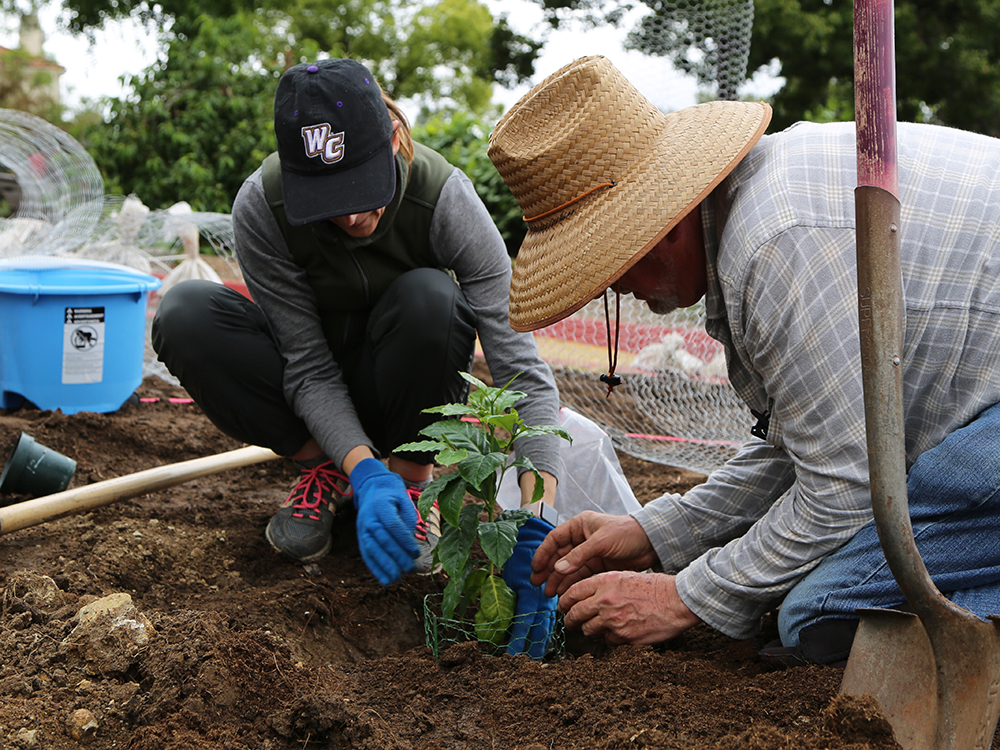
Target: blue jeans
(954, 497)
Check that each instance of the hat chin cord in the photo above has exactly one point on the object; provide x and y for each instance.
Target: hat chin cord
(610, 378)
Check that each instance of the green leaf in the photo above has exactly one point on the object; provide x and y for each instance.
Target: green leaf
(459, 434)
(475, 580)
(509, 422)
(430, 493)
(454, 592)
(481, 402)
(468, 376)
(455, 544)
(520, 516)
(506, 400)
(424, 446)
(545, 430)
(450, 598)
(523, 462)
(451, 456)
(450, 496)
(477, 469)
(539, 490)
(451, 410)
(498, 539)
(496, 611)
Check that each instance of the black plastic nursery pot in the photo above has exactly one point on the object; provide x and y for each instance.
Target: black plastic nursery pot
(33, 469)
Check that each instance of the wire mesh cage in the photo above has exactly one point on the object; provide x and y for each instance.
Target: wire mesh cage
(442, 632)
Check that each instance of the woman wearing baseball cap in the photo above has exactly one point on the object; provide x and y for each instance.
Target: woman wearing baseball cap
(373, 266)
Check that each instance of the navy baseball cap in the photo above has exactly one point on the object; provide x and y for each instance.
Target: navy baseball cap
(334, 141)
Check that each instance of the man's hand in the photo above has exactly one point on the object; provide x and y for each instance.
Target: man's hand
(626, 607)
(534, 613)
(587, 544)
(386, 520)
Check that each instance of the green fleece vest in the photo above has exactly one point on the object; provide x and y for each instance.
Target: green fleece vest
(350, 275)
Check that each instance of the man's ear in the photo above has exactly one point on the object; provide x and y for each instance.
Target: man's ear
(395, 136)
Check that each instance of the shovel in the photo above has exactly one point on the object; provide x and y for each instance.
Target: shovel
(935, 674)
(81, 499)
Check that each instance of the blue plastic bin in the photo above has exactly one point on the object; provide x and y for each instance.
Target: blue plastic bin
(72, 333)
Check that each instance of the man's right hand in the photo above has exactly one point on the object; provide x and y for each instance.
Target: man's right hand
(587, 544)
(386, 520)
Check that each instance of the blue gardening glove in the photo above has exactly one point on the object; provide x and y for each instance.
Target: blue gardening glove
(534, 613)
(386, 520)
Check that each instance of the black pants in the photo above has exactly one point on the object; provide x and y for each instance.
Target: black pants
(218, 344)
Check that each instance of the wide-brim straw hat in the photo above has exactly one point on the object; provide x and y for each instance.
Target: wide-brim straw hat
(601, 176)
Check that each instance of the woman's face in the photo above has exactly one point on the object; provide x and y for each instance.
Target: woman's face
(362, 225)
(359, 225)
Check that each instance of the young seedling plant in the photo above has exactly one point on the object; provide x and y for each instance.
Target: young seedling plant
(477, 438)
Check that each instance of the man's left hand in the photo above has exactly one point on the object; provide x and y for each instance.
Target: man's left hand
(627, 607)
(534, 613)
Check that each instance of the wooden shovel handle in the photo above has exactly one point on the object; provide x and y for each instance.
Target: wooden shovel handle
(81, 499)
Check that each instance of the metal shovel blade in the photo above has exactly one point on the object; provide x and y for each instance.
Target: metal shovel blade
(930, 702)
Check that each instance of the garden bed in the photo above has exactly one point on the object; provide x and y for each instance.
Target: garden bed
(247, 651)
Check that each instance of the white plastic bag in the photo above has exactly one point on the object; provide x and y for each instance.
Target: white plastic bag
(591, 478)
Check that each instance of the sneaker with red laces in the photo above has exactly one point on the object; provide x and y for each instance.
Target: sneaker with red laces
(427, 532)
(301, 529)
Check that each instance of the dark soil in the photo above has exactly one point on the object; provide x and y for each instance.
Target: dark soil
(230, 646)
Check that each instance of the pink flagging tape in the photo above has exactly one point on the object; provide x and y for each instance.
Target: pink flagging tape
(157, 399)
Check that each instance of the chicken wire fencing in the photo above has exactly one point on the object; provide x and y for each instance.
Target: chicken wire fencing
(707, 39)
(675, 405)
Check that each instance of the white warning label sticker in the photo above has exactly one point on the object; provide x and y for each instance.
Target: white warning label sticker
(83, 345)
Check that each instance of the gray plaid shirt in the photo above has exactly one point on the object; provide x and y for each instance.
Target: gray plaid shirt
(783, 299)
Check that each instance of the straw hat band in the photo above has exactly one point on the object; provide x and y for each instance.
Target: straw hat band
(570, 202)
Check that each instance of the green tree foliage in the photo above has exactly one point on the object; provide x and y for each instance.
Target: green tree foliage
(947, 60)
(447, 49)
(462, 139)
(431, 48)
(193, 126)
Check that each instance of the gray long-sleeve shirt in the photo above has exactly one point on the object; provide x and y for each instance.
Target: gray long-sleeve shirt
(465, 241)
(783, 298)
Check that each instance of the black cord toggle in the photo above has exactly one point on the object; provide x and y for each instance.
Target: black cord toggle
(759, 430)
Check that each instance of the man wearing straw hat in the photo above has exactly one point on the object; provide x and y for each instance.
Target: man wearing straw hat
(698, 204)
